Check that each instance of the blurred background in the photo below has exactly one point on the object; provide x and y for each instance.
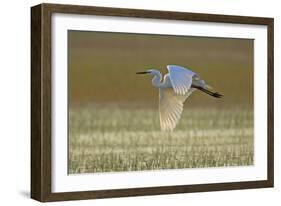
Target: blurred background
(102, 68)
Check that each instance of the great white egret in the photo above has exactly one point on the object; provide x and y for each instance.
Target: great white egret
(176, 86)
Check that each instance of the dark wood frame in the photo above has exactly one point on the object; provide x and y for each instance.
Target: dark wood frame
(41, 102)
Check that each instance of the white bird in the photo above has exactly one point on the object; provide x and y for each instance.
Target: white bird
(176, 86)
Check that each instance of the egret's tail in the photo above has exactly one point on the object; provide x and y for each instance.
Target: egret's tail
(213, 94)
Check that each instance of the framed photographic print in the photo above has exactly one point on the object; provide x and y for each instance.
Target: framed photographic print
(132, 102)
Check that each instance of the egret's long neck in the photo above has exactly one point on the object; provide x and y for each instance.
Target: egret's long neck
(156, 80)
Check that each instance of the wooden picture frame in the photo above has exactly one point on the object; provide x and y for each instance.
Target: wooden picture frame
(41, 116)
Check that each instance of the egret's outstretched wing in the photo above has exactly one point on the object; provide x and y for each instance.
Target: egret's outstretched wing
(170, 107)
(181, 78)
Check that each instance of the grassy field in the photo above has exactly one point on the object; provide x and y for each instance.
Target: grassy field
(106, 139)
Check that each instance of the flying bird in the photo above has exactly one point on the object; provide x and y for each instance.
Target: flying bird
(174, 89)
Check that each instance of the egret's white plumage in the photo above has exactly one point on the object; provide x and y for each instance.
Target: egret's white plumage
(175, 88)
(181, 78)
(170, 107)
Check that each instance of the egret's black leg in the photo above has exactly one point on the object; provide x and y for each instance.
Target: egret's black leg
(213, 94)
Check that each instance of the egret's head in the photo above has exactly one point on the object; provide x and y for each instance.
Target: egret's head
(151, 72)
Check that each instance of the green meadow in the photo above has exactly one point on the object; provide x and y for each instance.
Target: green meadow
(113, 113)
